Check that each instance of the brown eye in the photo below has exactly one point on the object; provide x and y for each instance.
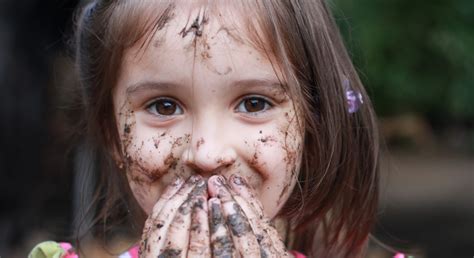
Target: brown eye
(253, 105)
(165, 107)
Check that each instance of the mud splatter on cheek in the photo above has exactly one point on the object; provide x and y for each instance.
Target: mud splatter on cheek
(148, 160)
(199, 143)
(130, 162)
(267, 140)
(141, 157)
(291, 146)
(126, 118)
(264, 143)
(172, 160)
(254, 160)
(146, 169)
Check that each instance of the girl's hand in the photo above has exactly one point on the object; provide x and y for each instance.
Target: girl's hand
(237, 222)
(178, 225)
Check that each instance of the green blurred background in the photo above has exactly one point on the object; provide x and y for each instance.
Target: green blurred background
(416, 59)
(415, 56)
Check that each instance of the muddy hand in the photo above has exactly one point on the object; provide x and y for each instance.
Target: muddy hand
(252, 233)
(222, 244)
(268, 236)
(199, 241)
(166, 231)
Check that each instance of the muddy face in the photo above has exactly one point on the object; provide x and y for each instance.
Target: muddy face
(205, 102)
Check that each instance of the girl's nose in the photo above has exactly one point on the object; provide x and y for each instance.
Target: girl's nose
(208, 156)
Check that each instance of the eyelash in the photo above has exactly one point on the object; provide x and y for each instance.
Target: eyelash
(155, 112)
(267, 105)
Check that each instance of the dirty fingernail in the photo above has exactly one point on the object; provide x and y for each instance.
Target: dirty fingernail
(214, 200)
(177, 181)
(216, 180)
(237, 180)
(221, 180)
(195, 178)
(201, 183)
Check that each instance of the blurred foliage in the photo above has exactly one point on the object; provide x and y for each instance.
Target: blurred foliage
(414, 56)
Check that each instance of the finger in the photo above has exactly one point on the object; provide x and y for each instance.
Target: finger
(264, 241)
(177, 237)
(221, 241)
(241, 188)
(255, 219)
(243, 237)
(199, 242)
(267, 235)
(154, 242)
(170, 190)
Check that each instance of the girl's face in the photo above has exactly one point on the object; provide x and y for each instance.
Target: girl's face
(199, 100)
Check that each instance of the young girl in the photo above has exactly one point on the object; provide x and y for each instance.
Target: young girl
(217, 120)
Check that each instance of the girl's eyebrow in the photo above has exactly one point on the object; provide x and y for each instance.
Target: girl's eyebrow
(264, 83)
(273, 86)
(244, 83)
(149, 85)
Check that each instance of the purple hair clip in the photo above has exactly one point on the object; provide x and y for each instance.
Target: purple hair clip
(353, 98)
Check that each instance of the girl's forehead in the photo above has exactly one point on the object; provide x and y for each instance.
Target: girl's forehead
(203, 40)
(196, 26)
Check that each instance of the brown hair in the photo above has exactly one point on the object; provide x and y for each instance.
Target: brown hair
(333, 209)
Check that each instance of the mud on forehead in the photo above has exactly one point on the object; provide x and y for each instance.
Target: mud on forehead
(197, 24)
